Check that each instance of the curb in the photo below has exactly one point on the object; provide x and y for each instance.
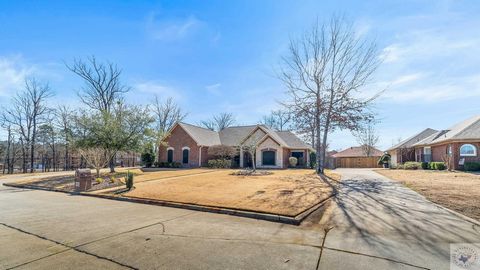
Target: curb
(292, 220)
(460, 215)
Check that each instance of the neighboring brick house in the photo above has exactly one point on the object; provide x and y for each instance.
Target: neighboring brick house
(461, 143)
(405, 151)
(188, 144)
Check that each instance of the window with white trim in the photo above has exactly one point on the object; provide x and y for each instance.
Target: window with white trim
(468, 150)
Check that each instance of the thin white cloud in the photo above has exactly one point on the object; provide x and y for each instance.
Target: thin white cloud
(213, 88)
(13, 71)
(155, 88)
(171, 29)
(464, 87)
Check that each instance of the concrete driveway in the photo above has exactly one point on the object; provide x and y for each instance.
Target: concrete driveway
(377, 216)
(377, 224)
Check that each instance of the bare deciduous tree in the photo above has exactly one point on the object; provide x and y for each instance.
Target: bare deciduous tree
(324, 72)
(26, 113)
(219, 122)
(103, 88)
(64, 119)
(166, 114)
(367, 137)
(96, 157)
(278, 120)
(209, 124)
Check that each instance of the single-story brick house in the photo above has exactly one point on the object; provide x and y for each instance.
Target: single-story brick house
(405, 151)
(356, 157)
(461, 142)
(188, 144)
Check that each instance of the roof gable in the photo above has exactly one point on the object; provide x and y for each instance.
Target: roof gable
(202, 136)
(465, 130)
(410, 142)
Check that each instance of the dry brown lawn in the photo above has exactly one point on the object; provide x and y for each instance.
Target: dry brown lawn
(458, 191)
(285, 192)
(158, 174)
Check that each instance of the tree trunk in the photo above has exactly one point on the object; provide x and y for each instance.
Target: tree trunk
(32, 148)
(6, 161)
(112, 163)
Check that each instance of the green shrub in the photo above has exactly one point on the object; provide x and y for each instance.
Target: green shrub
(437, 166)
(168, 164)
(99, 180)
(471, 166)
(400, 166)
(410, 165)
(129, 180)
(148, 158)
(384, 159)
(293, 161)
(425, 166)
(220, 163)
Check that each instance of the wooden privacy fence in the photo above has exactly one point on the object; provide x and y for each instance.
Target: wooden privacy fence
(357, 162)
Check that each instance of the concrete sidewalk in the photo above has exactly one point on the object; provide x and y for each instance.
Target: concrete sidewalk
(378, 224)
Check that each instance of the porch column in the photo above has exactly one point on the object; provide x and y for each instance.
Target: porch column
(241, 157)
(200, 156)
(307, 158)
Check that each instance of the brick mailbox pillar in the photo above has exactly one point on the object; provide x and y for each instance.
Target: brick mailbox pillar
(83, 179)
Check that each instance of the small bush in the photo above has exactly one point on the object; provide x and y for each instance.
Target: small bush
(112, 179)
(293, 161)
(384, 159)
(425, 166)
(400, 167)
(437, 166)
(99, 180)
(129, 180)
(220, 163)
(148, 155)
(168, 164)
(221, 152)
(412, 165)
(471, 166)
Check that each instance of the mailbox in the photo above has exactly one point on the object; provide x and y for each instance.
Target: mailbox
(83, 179)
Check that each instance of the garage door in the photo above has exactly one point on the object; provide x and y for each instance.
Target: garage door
(357, 162)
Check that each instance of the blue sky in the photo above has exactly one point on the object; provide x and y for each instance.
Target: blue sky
(220, 56)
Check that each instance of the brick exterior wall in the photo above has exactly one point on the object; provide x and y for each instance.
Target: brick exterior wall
(438, 151)
(179, 139)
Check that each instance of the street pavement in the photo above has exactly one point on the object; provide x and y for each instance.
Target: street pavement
(373, 223)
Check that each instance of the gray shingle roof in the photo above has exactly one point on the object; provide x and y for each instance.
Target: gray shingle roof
(292, 140)
(233, 136)
(408, 143)
(201, 135)
(465, 130)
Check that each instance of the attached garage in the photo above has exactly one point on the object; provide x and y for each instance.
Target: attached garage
(357, 157)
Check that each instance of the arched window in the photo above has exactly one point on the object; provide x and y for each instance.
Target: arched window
(185, 154)
(268, 158)
(170, 155)
(468, 150)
